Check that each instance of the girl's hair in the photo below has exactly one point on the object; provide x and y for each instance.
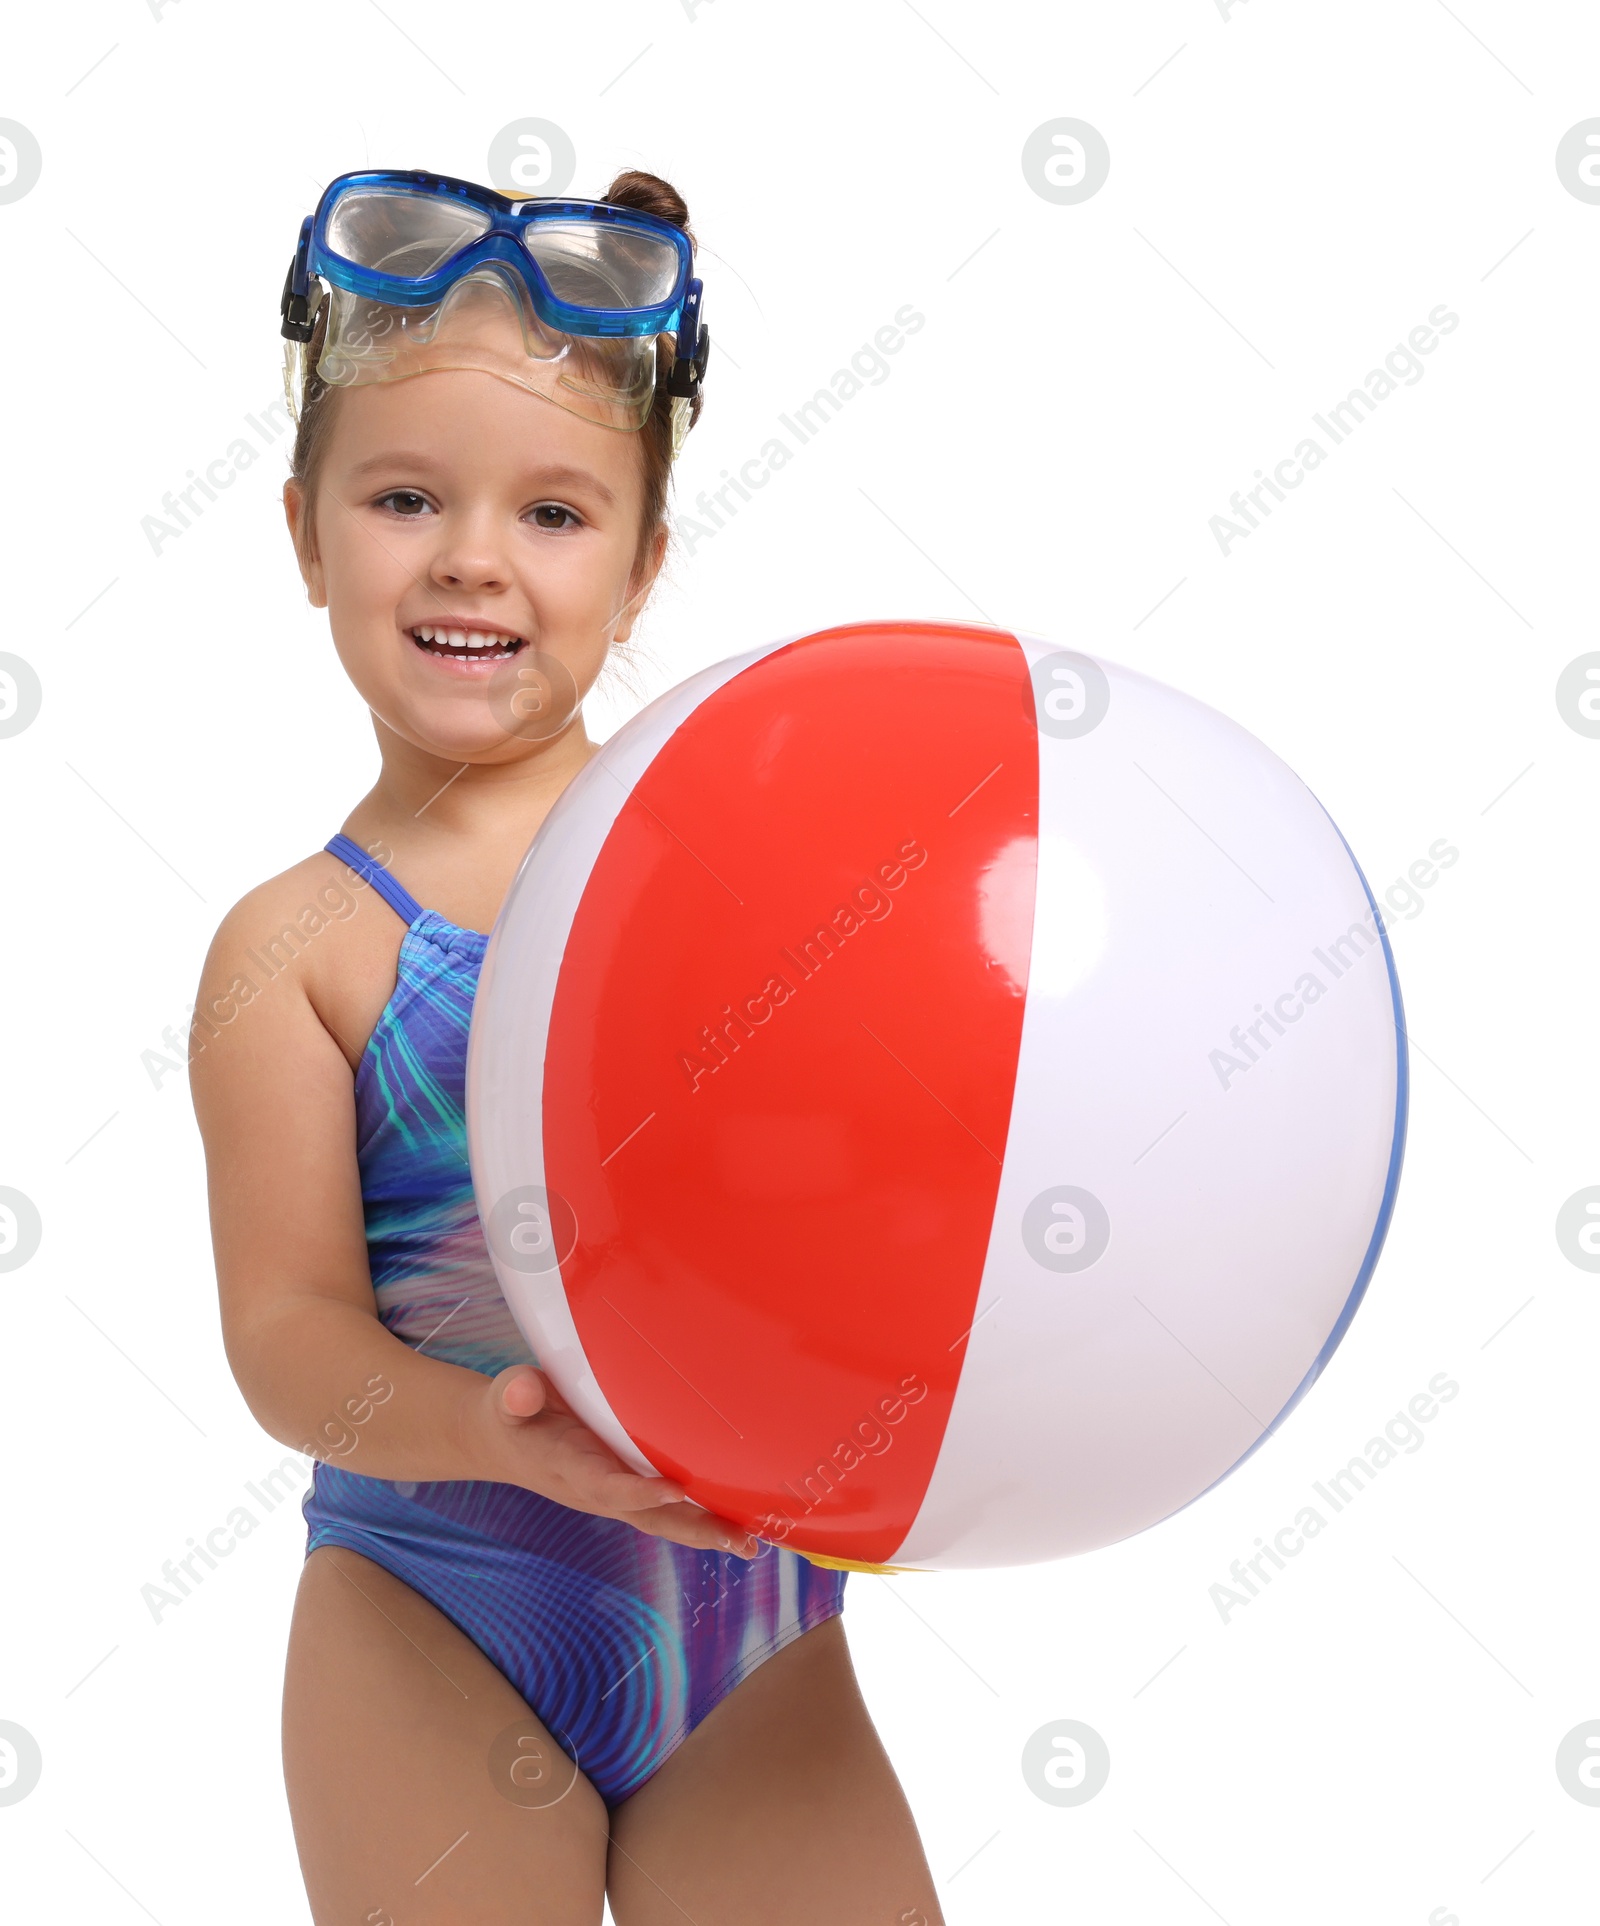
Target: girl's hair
(631, 188)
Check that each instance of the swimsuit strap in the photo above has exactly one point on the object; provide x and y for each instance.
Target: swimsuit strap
(399, 899)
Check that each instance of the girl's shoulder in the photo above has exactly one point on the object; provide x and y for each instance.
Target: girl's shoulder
(279, 923)
(316, 934)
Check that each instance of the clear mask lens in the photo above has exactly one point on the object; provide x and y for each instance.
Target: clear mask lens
(412, 235)
(589, 266)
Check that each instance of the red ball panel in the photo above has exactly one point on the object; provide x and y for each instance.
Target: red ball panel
(780, 1070)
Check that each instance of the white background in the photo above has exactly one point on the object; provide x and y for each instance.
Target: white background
(1290, 194)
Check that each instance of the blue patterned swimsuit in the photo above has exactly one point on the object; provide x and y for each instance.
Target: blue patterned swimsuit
(620, 1642)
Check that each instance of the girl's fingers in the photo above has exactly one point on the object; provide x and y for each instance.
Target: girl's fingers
(596, 1470)
(663, 1491)
(522, 1391)
(701, 1530)
(595, 1479)
(621, 1490)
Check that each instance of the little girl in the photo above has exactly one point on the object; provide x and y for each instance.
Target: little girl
(520, 1677)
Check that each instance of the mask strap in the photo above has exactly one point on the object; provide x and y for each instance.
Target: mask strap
(681, 407)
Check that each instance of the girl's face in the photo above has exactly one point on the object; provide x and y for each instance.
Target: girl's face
(455, 503)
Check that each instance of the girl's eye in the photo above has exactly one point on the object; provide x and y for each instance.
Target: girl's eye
(553, 515)
(404, 501)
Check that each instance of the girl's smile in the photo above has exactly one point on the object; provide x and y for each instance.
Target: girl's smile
(461, 645)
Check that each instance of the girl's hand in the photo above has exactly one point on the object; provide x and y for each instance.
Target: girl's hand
(524, 1434)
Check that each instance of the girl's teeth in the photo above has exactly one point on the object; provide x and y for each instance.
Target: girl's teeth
(468, 641)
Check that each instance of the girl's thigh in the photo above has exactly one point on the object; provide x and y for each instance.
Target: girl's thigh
(781, 1807)
(421, 1786)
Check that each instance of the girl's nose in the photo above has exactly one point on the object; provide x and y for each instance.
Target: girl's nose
(470, 555)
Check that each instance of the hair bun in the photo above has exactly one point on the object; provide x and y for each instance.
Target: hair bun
(650, 194)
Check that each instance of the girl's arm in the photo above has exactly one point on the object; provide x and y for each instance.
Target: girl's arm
(275, 1099)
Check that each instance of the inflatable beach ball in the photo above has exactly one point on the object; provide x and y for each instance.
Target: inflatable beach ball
(938, 1094)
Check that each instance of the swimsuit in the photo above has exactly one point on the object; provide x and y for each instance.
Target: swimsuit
(621, 1643)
